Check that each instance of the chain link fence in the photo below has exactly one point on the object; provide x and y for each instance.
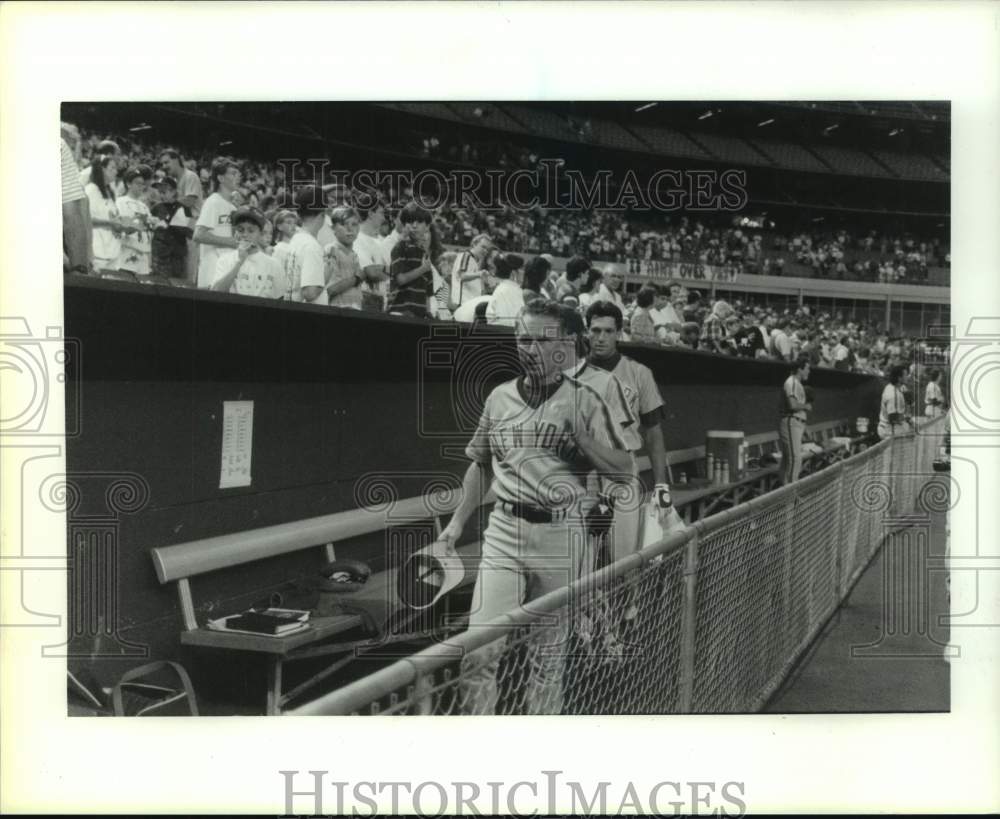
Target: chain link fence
(709, 620)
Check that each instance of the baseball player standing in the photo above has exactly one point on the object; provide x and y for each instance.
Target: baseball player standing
(793, 420)
(539, 437)
(604, 325)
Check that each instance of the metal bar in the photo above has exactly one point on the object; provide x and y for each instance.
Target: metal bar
(273, 685)
(689, 614)
(187, 604)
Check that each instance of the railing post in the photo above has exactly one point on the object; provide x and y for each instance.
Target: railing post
(689, 615)
(838, 549)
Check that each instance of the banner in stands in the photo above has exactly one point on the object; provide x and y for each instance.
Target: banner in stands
(653, 269)
(689, 271)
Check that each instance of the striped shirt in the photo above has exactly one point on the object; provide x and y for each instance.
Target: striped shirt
(529, 441)
(411, 297)
(71, 187)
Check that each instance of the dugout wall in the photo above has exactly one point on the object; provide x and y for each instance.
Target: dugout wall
(338, 396)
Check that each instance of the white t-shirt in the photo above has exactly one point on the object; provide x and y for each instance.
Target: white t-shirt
(306, 267)
(281, 255)
(781, 343)
(371, 251)
(107, 246)
(666, 315)
(259, 275)
(214, 215)
(135, 253)
(505, 304)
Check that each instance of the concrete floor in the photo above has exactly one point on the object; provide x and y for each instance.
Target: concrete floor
(883, 650)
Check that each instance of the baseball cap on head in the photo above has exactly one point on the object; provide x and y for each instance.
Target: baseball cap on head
(107, 146)
(165, 182)
(309, 200)
(247, 214)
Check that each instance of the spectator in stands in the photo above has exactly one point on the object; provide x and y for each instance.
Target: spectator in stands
(507, 301)
(77, 238)
(372, 256)
(570, 282)
(468, 272)
(107, 225)
(170, 240)
(535, 274)
(248, 270)
(108, 153)
(714, 334)
(212, 230)
(286, 223)
(306, 270)
(188, 185)
(641, 326)
(344, 276)
(411, 267)
(611, 287)
(748, 339)
(588, 293)
(137, 245)
(665, 318)
(842, 354)
(781, 344)
(690, 335)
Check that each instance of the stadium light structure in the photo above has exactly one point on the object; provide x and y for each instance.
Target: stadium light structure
(830, 128)
(644, 107)
(142, 126)
(895, 131)
(765, 122)
(706, 115)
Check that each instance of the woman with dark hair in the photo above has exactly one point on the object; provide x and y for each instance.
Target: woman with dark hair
(535, 275)
(107, 225)
(892, 418)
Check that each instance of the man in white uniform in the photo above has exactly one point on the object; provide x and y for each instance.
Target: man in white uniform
(794, 407)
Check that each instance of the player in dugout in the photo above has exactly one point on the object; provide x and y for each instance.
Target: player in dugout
(539, 437)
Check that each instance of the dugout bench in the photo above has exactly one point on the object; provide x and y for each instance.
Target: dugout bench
(181, 563)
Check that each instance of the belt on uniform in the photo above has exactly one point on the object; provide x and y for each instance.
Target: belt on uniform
(533, 514)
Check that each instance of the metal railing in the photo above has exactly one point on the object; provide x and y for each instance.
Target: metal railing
(709, 620)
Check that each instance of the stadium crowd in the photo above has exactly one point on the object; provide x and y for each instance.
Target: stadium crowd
(241, 227)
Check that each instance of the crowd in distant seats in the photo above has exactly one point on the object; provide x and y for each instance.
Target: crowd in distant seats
(235, 227)
(600, 235)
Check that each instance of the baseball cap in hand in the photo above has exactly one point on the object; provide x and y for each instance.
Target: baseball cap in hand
(428, 575)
